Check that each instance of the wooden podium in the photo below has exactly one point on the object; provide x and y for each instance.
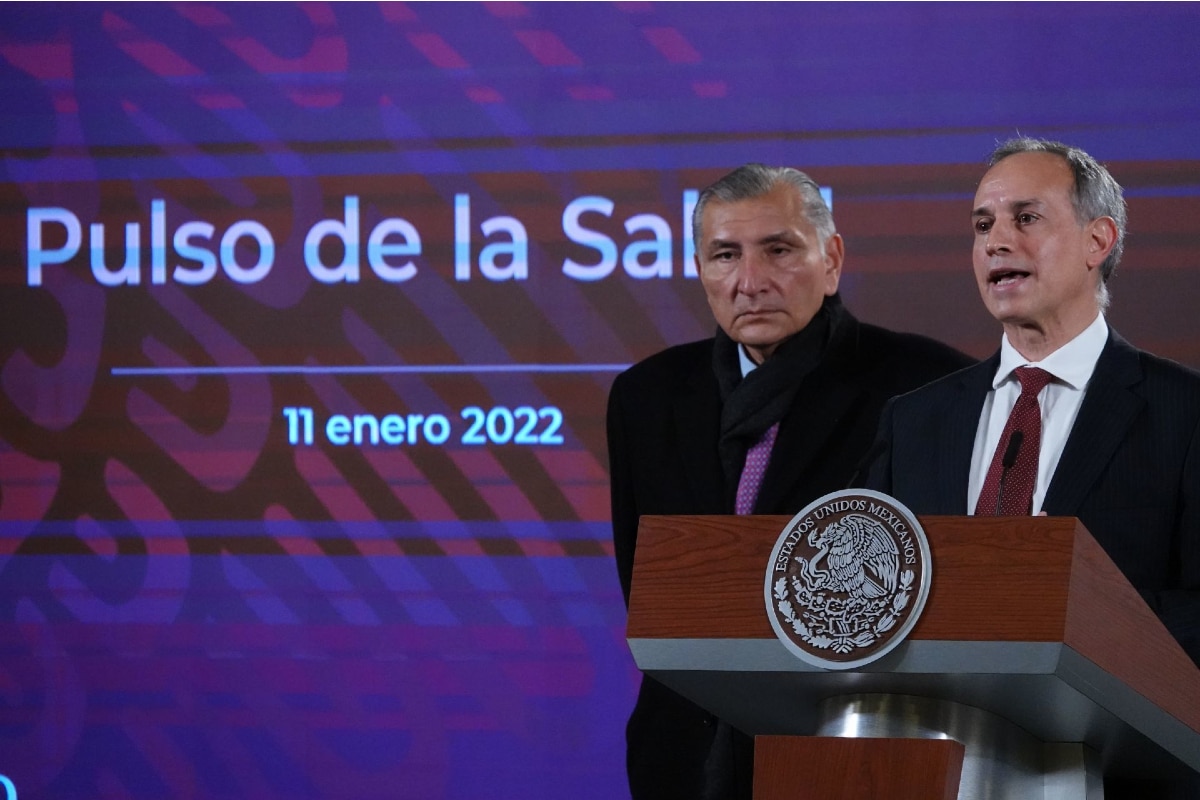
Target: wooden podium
(1028, 621)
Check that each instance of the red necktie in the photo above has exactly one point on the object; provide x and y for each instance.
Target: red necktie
(1021, 476)
(752, 472)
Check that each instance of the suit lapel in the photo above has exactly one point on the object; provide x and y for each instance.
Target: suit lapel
(1109, 407)
(697, 416)
(952, 469)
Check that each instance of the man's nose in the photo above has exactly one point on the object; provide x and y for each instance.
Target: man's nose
(998, 238)
(752, 274)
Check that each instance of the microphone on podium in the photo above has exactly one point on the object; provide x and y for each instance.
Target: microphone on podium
(1015, 439)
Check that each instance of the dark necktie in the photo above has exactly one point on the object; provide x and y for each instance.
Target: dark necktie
(757, 458)
(1018, 480)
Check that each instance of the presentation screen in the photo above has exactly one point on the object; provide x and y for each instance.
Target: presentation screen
(309, 312)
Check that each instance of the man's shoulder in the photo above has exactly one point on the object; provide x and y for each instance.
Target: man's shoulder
(666, 368)
(1164, 373)
(1119, 357)
(915, 359)
(888, 340)
(951, 387)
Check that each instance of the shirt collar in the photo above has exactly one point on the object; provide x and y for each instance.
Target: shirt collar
(1072, 364)
(747, 364)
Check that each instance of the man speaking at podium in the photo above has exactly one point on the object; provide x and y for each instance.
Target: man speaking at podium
(777, 410)
(1068, 419)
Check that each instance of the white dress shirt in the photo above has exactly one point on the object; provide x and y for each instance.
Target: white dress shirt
(1071, 366)
(745, 361)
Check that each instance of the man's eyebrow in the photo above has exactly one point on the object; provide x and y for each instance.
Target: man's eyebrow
(1015, 206)
(771, 238)
(715, 244)
(1021, 205)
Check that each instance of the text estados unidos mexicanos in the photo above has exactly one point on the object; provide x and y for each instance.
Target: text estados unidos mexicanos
(879, 512)
(498, 425)
(193, 252)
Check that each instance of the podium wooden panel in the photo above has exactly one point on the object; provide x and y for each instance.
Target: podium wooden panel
(1027, 618)
(855, 769)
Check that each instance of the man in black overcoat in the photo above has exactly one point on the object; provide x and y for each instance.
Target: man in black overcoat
(788, 363)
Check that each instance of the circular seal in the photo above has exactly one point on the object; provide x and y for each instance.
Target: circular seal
(848, 579)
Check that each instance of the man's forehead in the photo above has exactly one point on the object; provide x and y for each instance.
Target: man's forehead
(775, 213)
(1024, 179)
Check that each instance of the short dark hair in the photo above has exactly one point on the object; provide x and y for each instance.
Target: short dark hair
(1095, 194)
(755, 180)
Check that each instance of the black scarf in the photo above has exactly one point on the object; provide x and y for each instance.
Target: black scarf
(751, 405)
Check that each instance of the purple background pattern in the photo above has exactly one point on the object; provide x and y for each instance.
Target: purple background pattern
(192, 607)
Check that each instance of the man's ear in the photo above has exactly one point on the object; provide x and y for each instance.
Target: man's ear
(1102, 237)
(835, 254)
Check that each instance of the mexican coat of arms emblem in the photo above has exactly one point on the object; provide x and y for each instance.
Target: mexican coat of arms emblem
(848, 578)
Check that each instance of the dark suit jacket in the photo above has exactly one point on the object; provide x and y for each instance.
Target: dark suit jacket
(663, 423)
(1130, 470)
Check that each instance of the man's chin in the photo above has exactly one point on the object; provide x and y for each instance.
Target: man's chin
(1004, 309)
(759, 341)
(760, 327)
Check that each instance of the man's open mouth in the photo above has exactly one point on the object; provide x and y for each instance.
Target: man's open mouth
(1002, 277)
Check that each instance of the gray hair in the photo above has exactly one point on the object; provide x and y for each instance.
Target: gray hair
(755, 180)
(1095, 193)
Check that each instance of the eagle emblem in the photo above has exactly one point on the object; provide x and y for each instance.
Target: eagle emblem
(848, 578)
(862, 560)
